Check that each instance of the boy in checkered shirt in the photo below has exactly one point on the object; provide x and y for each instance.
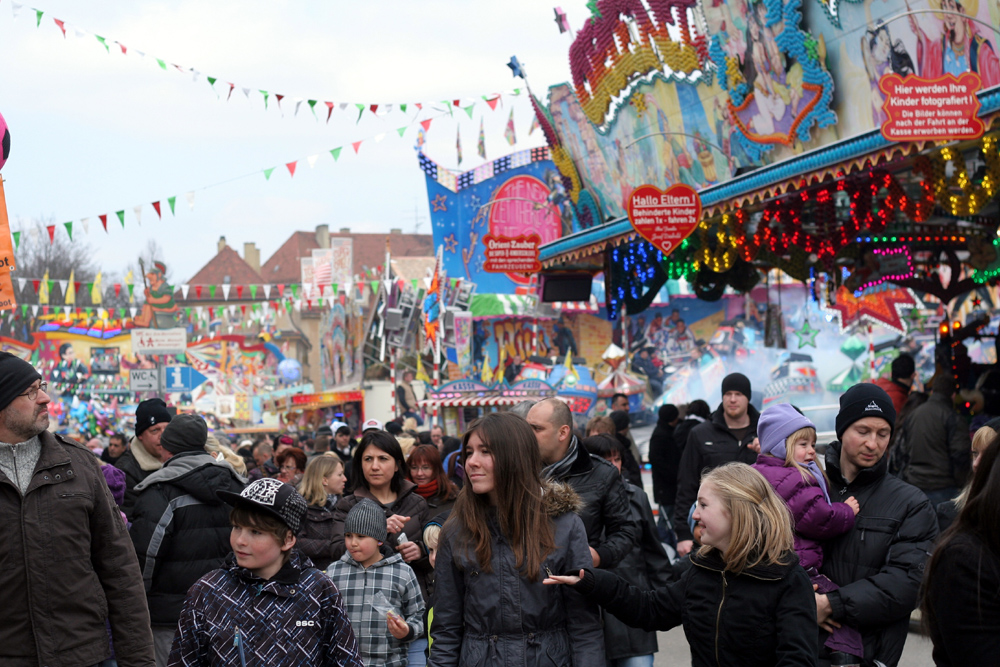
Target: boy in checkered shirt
(361, 573)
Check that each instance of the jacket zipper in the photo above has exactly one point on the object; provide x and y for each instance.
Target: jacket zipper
(718, 620)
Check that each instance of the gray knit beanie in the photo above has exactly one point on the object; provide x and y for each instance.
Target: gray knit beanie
(368, 519)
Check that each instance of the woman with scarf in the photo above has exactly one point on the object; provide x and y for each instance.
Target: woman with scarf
(433, 485)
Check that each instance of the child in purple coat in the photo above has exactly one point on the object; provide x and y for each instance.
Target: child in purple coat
(787, 460)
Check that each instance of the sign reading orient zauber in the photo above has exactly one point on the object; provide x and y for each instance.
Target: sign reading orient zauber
(664, 217)
(512, 255)
(919, 109)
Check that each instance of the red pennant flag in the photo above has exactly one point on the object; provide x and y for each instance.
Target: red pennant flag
(239, 291)
(343, 299)
(52, 233)
(122, 47)
(118, 289)
(156, 206)
(243, 308)
(329, 110)
(45, 310)
(321, 290)
(231, 87)
(309, 304)
(76, 286)
(291, 169)
(274, 304)
(279, 98)
(197, 291)
(104, 221)
(62, 26)
(493, 102)
(457, 103)
(373, 108)
(420, 106)
(426, 124)
(356, 145)
(281, 290)
(35, 284)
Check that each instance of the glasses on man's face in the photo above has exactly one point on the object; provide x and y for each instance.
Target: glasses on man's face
(32, 392)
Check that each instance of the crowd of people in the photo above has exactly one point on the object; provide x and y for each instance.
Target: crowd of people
(524, 542)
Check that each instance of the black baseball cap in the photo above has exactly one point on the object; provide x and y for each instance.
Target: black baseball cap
(273, 497)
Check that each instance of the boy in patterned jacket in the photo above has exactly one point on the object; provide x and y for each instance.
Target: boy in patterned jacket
(268, 605)
(361, 573)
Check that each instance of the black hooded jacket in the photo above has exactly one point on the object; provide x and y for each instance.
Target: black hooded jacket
(878, 563)
(709, 445)
(180, 528)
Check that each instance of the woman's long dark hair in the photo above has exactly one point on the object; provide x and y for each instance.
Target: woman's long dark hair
(429, 455)
(388, 444)
(520, 511)
(980, 517)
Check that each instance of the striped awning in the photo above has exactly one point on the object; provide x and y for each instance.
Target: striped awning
(502, 305)
(471, 401)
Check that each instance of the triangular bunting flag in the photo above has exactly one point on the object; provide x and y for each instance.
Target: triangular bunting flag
(361, 110)
(356, 145)
(267, 291)
(426, 124)
(265, 94)
(239, 291)
(401, 131)
(138, 213)
(281, 290)
(492, 101)
(211, 81)
(173, 202)
(156, 207)
(469, 109)
(38, 17)
(162, 64)
(184, 291)
(17, 239)
(312, 160)
(246, 93)
(374, 108)
(197, 291)
(278, 98)
(104, 220)
(267, 173)
(104, 43)
(51, 229)
(335, 153)
(253, 291)
(211, 291)
(312, 107)
(85, 223)
(329, 110)
(121, 217)
(69, 229)
(225, 292)
(190, 199)
(62, 26)
(291, 167)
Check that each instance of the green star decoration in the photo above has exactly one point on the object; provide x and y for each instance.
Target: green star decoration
(807, 335)
(917, 319)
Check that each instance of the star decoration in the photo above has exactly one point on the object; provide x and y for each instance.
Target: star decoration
(516, 67)
(976, 302)
(440, 203)
(480, 263)
(807, 335)
(917, 319)
(450, 243)
(561, 20)
(882, 305)
(475, 202)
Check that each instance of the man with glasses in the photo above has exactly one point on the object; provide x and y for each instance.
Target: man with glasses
(68, 563)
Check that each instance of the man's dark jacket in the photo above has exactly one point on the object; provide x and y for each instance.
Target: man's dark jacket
(709, 445)
(606, 514)
(665, 459)
(181, 529)
(68, 567)
(879, 563)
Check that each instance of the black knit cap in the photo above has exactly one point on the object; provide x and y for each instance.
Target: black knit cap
(185, 433)
(864, 400)
(736, 382)
(149, 412)
(16, 375)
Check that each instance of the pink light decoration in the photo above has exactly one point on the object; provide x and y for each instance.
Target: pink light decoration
(889, 253)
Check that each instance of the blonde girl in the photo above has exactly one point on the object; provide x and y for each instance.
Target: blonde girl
(321, 486)
(744, 600)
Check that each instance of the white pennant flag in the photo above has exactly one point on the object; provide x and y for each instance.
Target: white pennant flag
(141, 54)
(308, 289)
(184, 290)
(190, 198)
(343, 105)
(34, 310)
(298, 103)
(138, 213)
(79, 33)
(16, 8)
(62, 285)
(388, 108)
(379, 137)
(195, 75)
(33, 234)
(246, 91)
(232, 311)
(85, 223)
(312, 160)
(267, 291)
(66, 309)
(21, 282)
(225, 291)
(230, 329)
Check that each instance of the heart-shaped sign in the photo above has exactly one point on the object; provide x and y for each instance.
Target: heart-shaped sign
(664, 217)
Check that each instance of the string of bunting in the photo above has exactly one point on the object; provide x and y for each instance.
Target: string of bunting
(227, 88)
(170, 203)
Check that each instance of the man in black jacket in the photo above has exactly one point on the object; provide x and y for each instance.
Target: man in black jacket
(665, 459)
(728, 436)
(606, 515)
(180, 528)
(878, 563)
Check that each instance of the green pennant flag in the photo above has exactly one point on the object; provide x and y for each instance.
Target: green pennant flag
(312, 107)
(265, 94)
(162, 64)
(211, 291)
(454, 282)
(335, 153)
(361, 110)
(211, 80)
(173, 202)
(122, 312)
(131, 289)
(253, 291)
(288, 306)
(52, 286)
(401, 131)
(17, 239)
(89, 311)
(24, 310)
(447, 105)
(121, 217)
(469, 109)
(517, 91)
(104, 43)
(414, 283)
(334, 287)
(402, 107)
(38, 17)
(295, 291)
(187, 311)
(267, 173)
(69, 229)
(90, 287)
(374, 286)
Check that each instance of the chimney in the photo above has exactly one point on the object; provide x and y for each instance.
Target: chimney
(323, 236)
(222, 243)
(345, 230)
(251, 255)
(395, 231)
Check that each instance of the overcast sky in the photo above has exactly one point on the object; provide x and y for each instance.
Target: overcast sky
(93, 132)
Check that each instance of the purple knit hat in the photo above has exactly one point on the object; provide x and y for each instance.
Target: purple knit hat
(776, 424)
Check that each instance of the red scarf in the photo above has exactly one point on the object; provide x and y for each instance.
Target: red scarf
(428, 490)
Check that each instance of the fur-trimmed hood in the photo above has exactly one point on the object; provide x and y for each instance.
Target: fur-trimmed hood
(560, 498)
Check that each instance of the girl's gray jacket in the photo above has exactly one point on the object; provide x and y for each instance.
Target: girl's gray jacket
(501, 618)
